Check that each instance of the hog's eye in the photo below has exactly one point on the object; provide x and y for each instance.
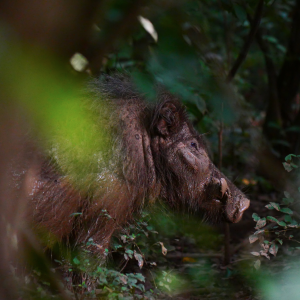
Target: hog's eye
(194, 145)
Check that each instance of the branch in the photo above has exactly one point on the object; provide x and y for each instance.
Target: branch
(248, 42)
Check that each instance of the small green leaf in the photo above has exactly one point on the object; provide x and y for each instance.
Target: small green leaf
(261, 223)
(289, 157)
(255, 253)
(76, 261)
(286, 210)
(275, 205)
(255, 217)
(288, 218)
(139, 258)
(279, 241)
(286, 194)
(269, 206)
(272, 219)
(257, 264)
(283, 224)
(140, 277)
(253, 238)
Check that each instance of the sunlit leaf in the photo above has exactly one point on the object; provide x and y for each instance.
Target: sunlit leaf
(287, 167)
(273, 249)
(257, 264)
(275, 205)
(253, 238)
(163, 248)
(139, 258)
(261, 223)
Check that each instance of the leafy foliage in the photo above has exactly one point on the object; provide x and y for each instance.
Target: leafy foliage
(272, 232)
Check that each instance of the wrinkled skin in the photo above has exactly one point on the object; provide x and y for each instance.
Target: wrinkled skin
(157, 155)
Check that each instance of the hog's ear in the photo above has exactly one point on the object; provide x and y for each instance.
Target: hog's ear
(167, 119)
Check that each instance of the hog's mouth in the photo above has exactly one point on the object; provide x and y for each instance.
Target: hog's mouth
(233, 205)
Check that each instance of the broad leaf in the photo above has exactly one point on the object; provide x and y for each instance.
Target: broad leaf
(255, 217)
(261, 223)
(253, 238)
(286, 210)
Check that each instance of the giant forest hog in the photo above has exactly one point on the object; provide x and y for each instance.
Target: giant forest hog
(155, 154)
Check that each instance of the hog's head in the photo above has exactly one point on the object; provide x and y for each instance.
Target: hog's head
(189, 179)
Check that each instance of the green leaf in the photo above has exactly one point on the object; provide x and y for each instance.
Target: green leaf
(272, 219)
(261, 223)
(287, 167)
(286, 210)
(139, 258)
(269, 206)
(286, 194)
(275, 205)
(288, 218)
(255, 253)
(255, 217)
(289, 157)
(279, 241)
(283, 224)
(140, 277)
(76, 261)
(253, 238)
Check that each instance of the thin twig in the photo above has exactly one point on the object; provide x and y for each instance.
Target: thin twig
(244, 51)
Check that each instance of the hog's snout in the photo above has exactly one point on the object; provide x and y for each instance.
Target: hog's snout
(236, 207)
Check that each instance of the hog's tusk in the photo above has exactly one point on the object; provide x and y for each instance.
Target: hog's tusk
(224, 186)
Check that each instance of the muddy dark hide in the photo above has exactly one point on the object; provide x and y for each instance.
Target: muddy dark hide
(156, 154)
(190, 181)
